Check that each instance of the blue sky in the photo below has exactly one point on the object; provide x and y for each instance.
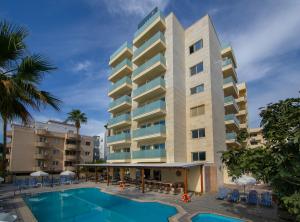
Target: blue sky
(78, 36)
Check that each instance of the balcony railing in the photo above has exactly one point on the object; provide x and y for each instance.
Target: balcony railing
(228, 80)
(120, 66)
(229, 99)
(148, 131)
(231, 117)
(158, 58)
(149, 42)
(226, 62)
(118, 137)
(125, 45)
(119, 156)
(156, 15)
(231, 136)
(149, 108)
(125, 79)
(147, 154)
(119, 119)
(148, 86)
(119, 101)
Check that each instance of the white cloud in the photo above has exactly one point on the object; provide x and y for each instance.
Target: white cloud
(82, 66)
(269, 35)
(134, 7)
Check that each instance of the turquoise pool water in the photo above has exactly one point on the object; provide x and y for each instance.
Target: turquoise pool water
(205, 217)
(90, 204)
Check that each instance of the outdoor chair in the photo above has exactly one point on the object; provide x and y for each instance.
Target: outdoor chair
(223, 193)
(234, 196)
(252, 197)
(266, 199)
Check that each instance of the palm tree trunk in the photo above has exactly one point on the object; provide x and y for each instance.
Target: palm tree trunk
(4, 146)
(78, 152)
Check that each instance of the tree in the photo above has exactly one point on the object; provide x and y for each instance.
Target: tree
(77, 117)
(278, 163)
(20, 76)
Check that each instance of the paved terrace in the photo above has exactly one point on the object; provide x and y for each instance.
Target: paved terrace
(205, 203)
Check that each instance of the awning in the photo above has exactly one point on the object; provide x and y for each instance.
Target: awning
(145, 165)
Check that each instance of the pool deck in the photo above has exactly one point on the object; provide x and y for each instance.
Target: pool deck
(206, 203)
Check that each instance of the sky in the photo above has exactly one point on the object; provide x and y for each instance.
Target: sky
(78, 36)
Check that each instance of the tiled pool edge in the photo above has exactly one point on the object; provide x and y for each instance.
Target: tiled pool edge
(212, 212)
(24, 211)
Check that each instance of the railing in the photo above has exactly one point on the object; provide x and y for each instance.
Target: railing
(231, 117)
(154, 38)
(228, 80)
(149, 131)
(149, 22)
(118, 119)
(231, 136)
(158, 58)
(145, 154)
(118, 137)
(229, 99)
(148, 86)
(226, 62)
(125, 79)
(119, 156)
(125, 45)
(119, 101)
(149, 108)
(120, 65)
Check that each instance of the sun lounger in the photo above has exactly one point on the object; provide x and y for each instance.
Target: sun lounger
(7, 217)
(266, 199)
(234, 196)
(252, 197)
(223, 193)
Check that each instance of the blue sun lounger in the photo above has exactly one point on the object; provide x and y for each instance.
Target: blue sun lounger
(266, 199)
(223, 193)
(252, 197)
(234, 196)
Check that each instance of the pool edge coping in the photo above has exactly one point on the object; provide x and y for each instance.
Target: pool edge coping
(212, 212)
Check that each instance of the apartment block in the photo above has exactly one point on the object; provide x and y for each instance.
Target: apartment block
(50, 146)
(256, 138)
(100, 152)
(174, 97)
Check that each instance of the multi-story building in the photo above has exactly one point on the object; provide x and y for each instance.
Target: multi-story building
(50, 146)
(167, 96)
(256, 138)
(99, 148)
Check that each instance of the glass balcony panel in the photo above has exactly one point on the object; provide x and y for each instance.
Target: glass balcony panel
(119, 101)
(118, 119)
(145, 154)
(149, 131)
(125, 45)
(229, 99)
(120, 66)
(119, 156)
(118, 137)
(125, 79)
(148, 86)
(226, 62)
(158, 58)
(228, 80)
(231, 136)
(149, 108)
(230, 117)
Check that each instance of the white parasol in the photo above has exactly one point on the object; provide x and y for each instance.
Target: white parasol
(67, 173)
(39, 174)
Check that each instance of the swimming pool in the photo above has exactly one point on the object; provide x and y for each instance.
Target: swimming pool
(206, 217)
(90, 204)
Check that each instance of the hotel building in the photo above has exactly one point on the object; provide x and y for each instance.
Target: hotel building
(256, 138)
(175, 98)
(49, 146)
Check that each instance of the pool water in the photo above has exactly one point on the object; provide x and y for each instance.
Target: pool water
(90, 204)
(205, 217)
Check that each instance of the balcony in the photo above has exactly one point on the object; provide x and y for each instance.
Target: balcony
(232, 123)
(70, 168)
(41, 144)
(243, 126)
(120, 88)
(123, 138)
(242, 113)
(231, 140)
(153, 155)
(152, 24)
(150, 69)
(228, 69)
(42, 156)
(230, 105)
(125, 51)
(70, 158)
(120, 104)
(241, 99)
(229, 87)
(41, 132)
(154, 109)
(227, 52)
(40, 168)
(150, 48)
(118, 157)
(149, 90)
(149, 133)
(122, 69)
(70, 146)
(120, 121)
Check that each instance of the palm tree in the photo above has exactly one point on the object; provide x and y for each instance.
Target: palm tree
(20, 76)
(77, 117)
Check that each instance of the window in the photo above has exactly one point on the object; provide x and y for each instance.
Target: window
(197, 111)
(196, 46)
(198, 133)
(87, 143)
(161, 122)
(159, 146)
(87, 153)
(55, 151)
(198, 156)
(197, 89)
(196, 68)
(145, 147)
(54, 163)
